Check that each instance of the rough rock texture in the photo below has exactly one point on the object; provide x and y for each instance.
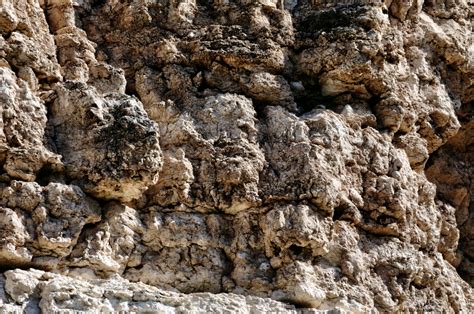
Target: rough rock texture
(451, 168)
(26, 291)
(108, 143)
(318, 153)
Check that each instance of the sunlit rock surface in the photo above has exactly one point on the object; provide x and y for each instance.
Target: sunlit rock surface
(241, 156)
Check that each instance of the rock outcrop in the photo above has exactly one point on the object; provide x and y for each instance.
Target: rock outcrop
(27, 291)
(245, 153)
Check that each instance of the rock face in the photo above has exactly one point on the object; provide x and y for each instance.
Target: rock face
(317, 153)
(29, 290)
(108, 143)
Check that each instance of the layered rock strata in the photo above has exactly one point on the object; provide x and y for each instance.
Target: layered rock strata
(317, 153)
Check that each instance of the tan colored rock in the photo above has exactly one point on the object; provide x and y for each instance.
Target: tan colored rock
(451, 169)
(108, 143)
(41, 225)
(29, 42)
(229, 155)
(14, 236)
(111, 246)
(23, 128)
(271, 89)
(279, 149)
(47, 292)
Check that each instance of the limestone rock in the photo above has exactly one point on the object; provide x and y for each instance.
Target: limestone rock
(23, 121)
(258, 156)
(108, 143)
(51, 293)
(41, 225)
(451, 169)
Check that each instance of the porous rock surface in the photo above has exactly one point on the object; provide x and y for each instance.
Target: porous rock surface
(26, 291)
(213, 155)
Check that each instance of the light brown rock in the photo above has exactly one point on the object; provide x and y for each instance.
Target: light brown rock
(318, 153)
(108, 143)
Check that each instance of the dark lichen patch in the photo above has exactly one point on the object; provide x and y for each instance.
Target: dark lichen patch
(328, 20)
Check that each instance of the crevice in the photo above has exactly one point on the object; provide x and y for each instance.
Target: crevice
(260, 107)
(9, 265)
(45, 8)
(300, 252)
(298, 304)
(311, 97)
(338, 213)
(47, 174)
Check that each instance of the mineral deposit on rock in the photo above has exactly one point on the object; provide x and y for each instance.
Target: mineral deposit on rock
(236, 156)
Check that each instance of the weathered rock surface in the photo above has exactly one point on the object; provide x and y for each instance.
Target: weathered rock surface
(317, 153)
(40, 225)
(108, 143)
(35, 290)
(451, 168)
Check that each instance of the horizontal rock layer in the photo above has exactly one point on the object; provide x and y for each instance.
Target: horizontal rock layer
(33, 290)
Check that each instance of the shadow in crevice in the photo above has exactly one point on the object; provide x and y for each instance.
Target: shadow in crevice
(298, 304)
(8, 265)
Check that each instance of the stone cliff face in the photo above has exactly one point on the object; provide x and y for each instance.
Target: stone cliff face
(316, 153)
